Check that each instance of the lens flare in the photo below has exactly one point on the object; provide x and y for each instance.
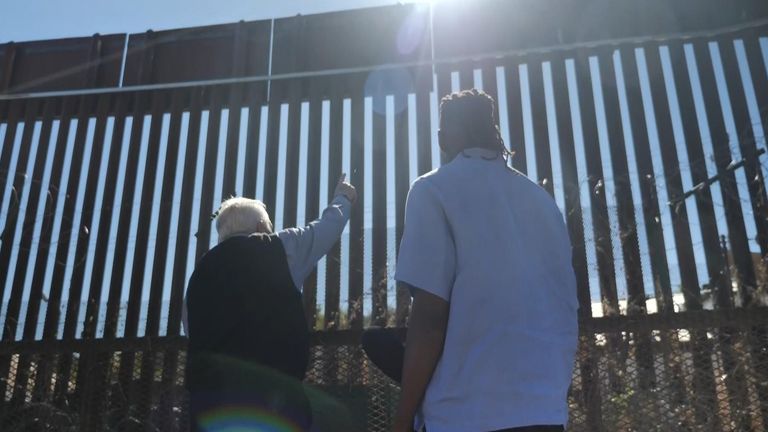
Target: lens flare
(413, 31)
(383, 82)
(245, 419)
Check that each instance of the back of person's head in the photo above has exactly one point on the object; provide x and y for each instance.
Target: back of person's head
(467, 120)
(242, 216)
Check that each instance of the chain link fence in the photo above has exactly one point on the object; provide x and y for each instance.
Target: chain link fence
(709, 380)
(703, 378)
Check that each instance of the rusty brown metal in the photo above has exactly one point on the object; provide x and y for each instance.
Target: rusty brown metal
(62, 64)
(198, 53)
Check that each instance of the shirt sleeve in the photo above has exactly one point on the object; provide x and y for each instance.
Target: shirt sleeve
(427, 258)
(305, 246)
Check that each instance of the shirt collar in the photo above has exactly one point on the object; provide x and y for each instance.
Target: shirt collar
(480, 153)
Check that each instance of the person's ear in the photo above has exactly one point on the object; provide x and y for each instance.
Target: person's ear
(265, 226)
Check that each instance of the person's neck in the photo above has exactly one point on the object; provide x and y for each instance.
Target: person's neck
(477, 152)
(240, 234)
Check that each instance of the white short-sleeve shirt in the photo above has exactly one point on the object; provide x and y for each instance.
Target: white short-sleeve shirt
(495, 245)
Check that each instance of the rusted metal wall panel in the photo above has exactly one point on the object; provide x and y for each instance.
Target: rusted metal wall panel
(357, 38)
(198, 53)
(61, 64)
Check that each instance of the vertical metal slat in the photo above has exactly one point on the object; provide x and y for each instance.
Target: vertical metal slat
(356, 232)
(333, 258)
(540, 131)
(312, 200)
(515, 116)
(402, 182)
(379, 279)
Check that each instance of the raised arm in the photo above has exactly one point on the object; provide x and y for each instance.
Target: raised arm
(305, 246)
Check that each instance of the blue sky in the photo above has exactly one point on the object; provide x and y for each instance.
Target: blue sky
(47, 19)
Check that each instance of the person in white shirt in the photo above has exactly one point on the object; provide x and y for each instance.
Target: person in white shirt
(486, 254)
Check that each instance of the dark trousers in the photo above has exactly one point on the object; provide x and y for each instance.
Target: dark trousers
(386, 350)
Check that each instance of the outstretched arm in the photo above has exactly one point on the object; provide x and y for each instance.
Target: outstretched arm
(424, 346)
(305, 246)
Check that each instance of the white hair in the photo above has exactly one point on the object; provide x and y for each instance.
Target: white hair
(242, 216)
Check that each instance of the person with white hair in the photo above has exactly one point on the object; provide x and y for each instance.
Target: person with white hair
(244, 302)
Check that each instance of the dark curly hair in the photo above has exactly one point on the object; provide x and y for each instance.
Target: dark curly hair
(474, 113)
